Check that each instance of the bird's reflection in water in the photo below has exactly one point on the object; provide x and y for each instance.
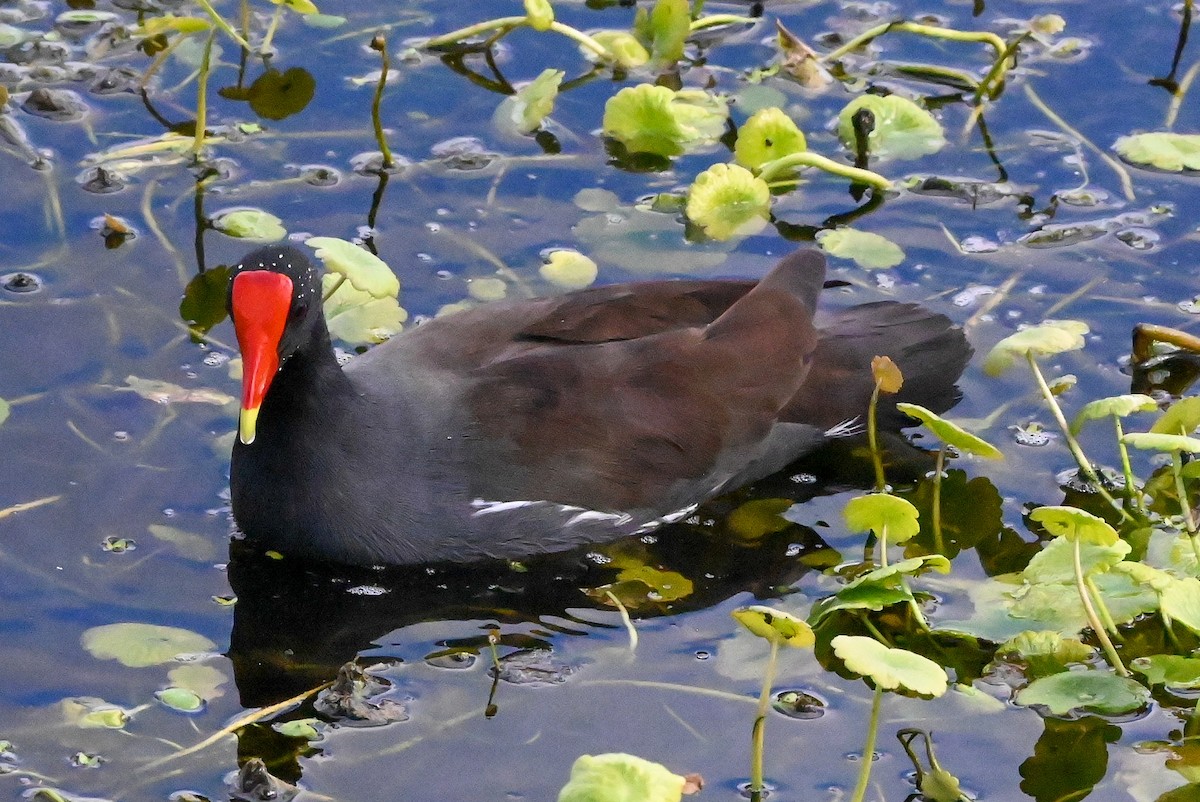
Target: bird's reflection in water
(295, 624)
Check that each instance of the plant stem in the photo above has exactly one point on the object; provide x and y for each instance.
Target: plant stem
(758, 733)
(932, 31)
(775, 169)
(380, 43)
(1132, 491)
(883, 544)
(1085, 467)
(938, 543)
(1102, 608)
(1185, 506)
(864, 773)
(697, 9)
(454, 37)
(996, 74)
(582, 39)
(202, 98)
(271, 27)
(1110, 651)
(876, 457)
(220, 22)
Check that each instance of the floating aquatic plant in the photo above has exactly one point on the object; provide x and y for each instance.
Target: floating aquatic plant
(662, 122)
(728, 201)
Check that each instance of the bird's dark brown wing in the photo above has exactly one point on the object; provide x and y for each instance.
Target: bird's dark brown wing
(639, 423)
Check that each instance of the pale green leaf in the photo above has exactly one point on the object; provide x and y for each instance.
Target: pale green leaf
(903, 130)
(665, 29)
(533, 103)
(1045, 339)
(359, 317)
(869, 251)
(769, 134)
(203, 680)
(627, 52)
(182, 699)
(728, 201)
(775, 626)
(1152, 441)
(951, 433)
(890, 517)
(1116, 406)
(569, 269)
(620, 778)
(1182, 417)
(1170, 670)
(890, 668)
(1181, 602)
(305, 728)
(1056, 561)
(138, 645)
(1162, 150)
(254, 225)
(657, 120)
(1075, 524)
(363, 269)
(1093, 691)
(89, 712)
(5, 409)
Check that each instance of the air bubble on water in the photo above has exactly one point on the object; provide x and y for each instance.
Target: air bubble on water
(433, 228)
(793, 550)
(597, 558)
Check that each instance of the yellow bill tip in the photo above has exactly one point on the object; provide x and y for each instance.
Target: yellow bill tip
(248, 425)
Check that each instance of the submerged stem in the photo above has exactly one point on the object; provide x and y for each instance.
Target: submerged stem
(938, 467)
(758, 733)
(1185, 506)
(864, 773)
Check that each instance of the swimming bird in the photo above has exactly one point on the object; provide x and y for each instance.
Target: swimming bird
(533, 426)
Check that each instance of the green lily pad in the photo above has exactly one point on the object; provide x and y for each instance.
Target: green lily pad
(659, 121)
(189, 544)
(1152, 441)
(1116, 406)
(276, 95)
(360, 317)
(305, 728)
(1045, 339)
(775, 626)
(487, 289)
(363, 269)
(755, 519)
(1056, 562)
(539, 14)
(1182, 417)
(137, 645)
(869, 251)
(951, 433)
(657, 584)
(1170, 670)
(889, 517)
(1075, 524)
(180, 699)
(619, 777)
(729, 201)
(525, 111)
(1093, 691)
(1161, 150)
(254, 225)
(903, 130)
(569, 269)
(890, 668)
(769, 134)
(1057, 606)
(1181, 601)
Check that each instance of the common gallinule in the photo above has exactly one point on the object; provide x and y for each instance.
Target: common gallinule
(537, 425)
